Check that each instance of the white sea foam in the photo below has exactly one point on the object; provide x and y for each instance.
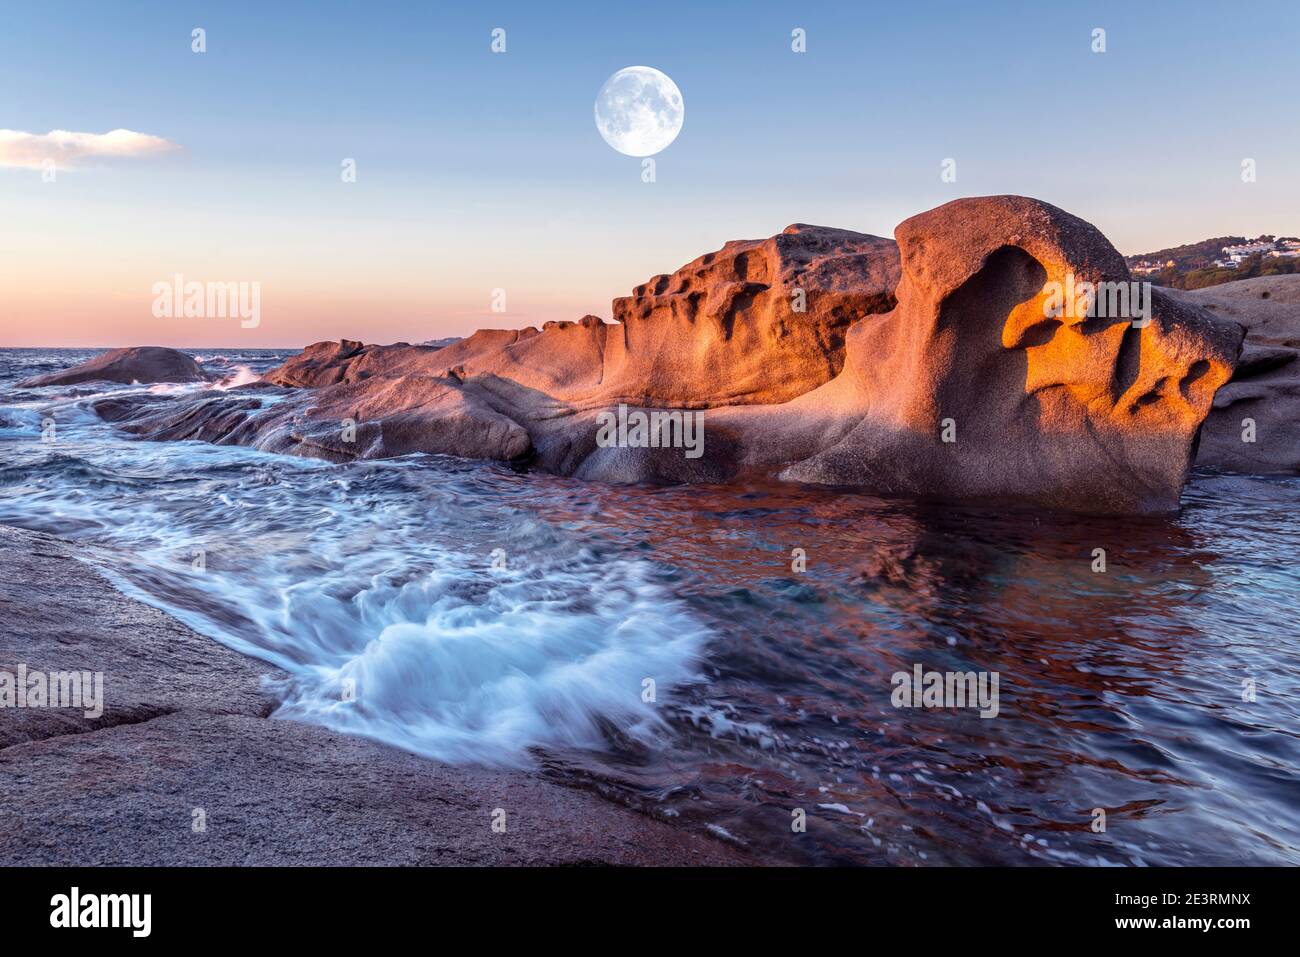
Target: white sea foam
(240, 375)
(527, 662)
(382, 629)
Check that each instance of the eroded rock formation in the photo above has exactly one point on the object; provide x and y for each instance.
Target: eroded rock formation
(936, 366)
(970, 390)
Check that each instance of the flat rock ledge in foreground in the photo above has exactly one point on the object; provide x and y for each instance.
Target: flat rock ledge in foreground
(185, 727)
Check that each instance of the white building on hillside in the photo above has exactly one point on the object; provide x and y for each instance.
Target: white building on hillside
(1244, 250)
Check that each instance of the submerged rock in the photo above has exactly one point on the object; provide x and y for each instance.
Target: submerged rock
(143, 364)
(934, 366)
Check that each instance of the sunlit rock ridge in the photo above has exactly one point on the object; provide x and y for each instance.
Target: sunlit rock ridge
(933, 366)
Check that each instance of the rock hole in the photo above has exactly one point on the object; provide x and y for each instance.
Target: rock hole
(1040, 333)
(1194, 372)
(1127, 363)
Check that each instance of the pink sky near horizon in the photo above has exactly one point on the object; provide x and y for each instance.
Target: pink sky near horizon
(121, 314)
(95, 289)
(93, 286)
(393, 260)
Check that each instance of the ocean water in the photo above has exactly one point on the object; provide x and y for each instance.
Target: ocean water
(657, 645)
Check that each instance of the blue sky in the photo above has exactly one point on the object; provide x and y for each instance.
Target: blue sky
(479, 170)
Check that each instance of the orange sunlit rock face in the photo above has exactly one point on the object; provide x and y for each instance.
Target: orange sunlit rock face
(758, 321)
(755, 322)
(963, 362)
(1096, 412)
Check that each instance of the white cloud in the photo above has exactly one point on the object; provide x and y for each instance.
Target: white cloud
(68, 149)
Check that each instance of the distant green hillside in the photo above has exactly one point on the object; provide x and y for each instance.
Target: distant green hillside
(1193, 255)
(1194, 267)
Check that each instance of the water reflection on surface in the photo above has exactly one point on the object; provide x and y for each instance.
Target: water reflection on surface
(1120, 691)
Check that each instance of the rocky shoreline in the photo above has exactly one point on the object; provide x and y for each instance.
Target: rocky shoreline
(817, 355)
(998, 351)
(185, 739)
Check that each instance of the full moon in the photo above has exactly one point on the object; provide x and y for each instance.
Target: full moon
(639, 111)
